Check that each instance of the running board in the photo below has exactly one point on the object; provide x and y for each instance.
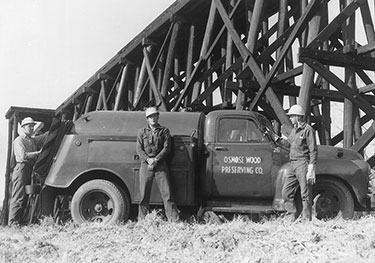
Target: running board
(235, 207)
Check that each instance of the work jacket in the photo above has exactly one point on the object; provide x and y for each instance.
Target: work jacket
(153, 143)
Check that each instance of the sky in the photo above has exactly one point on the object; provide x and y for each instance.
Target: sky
(49, 48)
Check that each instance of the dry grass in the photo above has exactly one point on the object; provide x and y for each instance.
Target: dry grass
(154, 240)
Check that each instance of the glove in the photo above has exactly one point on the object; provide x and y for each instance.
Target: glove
(151, 163)
(150, 167)
(310, 176)
(273, 135)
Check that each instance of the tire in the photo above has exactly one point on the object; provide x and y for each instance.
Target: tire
(100, 201)
(332, 199)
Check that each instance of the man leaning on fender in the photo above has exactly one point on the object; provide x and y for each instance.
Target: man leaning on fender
(26, 150)
(303, 155)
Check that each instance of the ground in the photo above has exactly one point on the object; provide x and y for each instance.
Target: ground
(155, 240)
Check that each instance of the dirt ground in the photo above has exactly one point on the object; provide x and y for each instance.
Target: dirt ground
(155, 240)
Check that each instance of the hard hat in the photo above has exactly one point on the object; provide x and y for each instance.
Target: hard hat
(150, 111)
(27, 120)
(296, 110)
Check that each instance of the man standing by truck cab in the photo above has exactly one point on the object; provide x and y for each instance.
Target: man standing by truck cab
(26, 151)
(303, 155)
(153, 146)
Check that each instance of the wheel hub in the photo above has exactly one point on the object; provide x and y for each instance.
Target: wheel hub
(98, 208)
(324, 204)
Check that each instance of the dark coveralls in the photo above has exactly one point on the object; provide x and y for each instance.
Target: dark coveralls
(303, 151)
(25, 152)
(155, 144)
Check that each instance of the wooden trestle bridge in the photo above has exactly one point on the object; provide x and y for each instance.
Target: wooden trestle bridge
(260, 55)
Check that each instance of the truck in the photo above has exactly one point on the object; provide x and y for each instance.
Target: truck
(222, 162)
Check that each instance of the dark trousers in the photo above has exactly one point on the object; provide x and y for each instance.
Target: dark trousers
(160, 173)
(21, 176)
(297, 177)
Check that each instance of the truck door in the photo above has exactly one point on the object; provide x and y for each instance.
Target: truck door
(242, 163)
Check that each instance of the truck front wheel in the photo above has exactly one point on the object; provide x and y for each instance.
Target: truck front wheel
(332, 199)
(100, 201)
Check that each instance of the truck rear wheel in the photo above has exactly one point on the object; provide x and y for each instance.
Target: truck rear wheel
(332, 199)
(100, 201)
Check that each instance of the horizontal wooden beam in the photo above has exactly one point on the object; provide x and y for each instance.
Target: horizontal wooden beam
(288, 74)
(367, 88)
(338, 59)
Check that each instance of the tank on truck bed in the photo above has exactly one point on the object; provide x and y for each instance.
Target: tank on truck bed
(102, 146)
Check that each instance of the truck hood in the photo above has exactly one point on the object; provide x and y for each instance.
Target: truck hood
(325, 151)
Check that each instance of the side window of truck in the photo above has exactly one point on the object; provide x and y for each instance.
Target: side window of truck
(238, 130)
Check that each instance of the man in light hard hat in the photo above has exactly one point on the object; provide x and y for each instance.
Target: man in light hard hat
(26, 151)
(153, 146)
(303, 155)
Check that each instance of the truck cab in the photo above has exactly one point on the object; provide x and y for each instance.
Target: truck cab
(246, 168)
(242, 163)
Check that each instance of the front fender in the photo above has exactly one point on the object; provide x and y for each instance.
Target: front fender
(354, 173)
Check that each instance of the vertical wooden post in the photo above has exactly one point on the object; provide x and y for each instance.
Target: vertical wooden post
(265, 28)
(5, 210)
(160, 70)
(368, 24)
(308, 73)
(251, 41)
(303, 5)
(205, 44)
(282, 21)
(77, 111)
(176, 72)
(208, 82)
(90, 98)
(170, 57)
(141, 78)
(121, 89)
(350, 113)
(189, 62)
(325, 138)
(370, 34)
(102, 101)
(136, 78)
(228, 63)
